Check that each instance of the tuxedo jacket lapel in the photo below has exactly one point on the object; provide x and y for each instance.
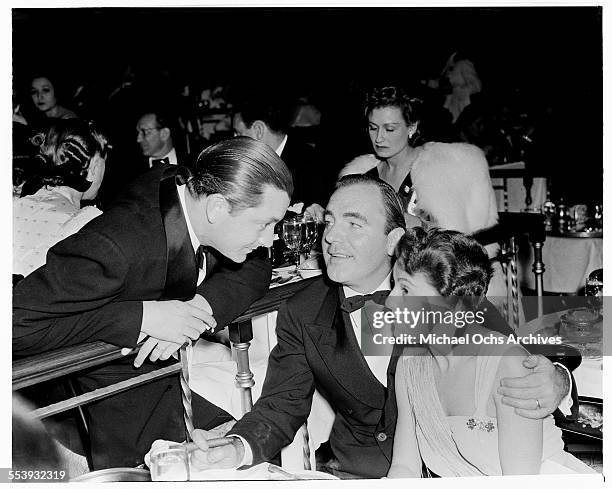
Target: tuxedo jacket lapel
(343, 357)
(181, 274)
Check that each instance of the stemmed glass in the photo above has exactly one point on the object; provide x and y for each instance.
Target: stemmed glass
(309, 234)
(292, 236)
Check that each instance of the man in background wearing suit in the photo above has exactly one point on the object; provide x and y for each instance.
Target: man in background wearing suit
(154, 136)
(265, 117)
(133, 273)
(319, 345)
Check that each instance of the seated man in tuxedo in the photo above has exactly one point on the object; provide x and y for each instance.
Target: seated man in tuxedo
(319, 346)
(154, 136)
(133, 273)
(265, 117)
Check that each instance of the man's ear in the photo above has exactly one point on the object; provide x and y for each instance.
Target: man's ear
(392, 238)
(217, 208)
(164, 134)
(259, 130)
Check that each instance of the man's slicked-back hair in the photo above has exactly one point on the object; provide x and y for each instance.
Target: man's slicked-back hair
(240, 169)
(391, 202)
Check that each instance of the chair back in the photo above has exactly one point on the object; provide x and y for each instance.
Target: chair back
(511, 225)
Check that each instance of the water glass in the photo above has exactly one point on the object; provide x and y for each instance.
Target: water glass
(582, 327)
(309, 233)
(170, 464)
(292, 236)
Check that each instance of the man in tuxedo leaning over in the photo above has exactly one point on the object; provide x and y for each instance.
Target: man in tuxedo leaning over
(133, 273)
(319, 346)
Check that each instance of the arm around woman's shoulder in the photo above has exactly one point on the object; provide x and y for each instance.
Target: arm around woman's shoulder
(520, 439)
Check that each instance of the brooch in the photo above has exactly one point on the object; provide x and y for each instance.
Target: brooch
(481, 425)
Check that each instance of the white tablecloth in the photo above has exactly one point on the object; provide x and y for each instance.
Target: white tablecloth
(213, 376)
(567, 262)
(517, 193)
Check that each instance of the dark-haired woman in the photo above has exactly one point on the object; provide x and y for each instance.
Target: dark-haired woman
(70, 168)
(445, 184)
(450, 415)
(44, 98)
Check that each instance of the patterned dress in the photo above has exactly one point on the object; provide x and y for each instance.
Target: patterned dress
(42, 220)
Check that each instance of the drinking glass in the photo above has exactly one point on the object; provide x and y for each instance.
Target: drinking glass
(582, 328)
(309, 234)
(170, 464)
(292, 236)
(594, 290)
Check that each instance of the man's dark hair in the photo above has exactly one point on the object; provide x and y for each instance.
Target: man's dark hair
(239, 169)
(272, 109)
(163, 118)
(391, 202)
(454, 263)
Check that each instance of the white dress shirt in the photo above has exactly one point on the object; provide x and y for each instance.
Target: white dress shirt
(171, 158)
(281, 146)
(378, 364)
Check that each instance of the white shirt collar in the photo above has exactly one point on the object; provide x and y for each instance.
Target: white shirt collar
(281, 147)
(195, 242)
(171, 155)
(385, 285)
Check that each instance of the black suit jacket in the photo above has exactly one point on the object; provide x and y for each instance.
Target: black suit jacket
(317, 349)
(310, 180)
(94, 281)
(309, 355)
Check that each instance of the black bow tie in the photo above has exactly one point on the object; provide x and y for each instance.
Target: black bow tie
(159, 161)
(356, 302)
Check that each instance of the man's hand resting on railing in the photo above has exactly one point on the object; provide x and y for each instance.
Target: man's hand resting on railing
(169, 324)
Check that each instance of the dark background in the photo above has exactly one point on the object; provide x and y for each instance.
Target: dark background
(552, 55)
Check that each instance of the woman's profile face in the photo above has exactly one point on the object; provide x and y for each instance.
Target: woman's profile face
(414, 285)
(43, 94)
(388, 131)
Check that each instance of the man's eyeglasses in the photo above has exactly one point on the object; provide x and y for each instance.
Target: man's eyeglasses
(145, 131)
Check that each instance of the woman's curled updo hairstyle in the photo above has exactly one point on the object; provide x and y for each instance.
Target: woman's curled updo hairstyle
(394, 96)
(66, 151)
(454, 263)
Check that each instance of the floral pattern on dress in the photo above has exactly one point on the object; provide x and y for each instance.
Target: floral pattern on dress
(474, 423)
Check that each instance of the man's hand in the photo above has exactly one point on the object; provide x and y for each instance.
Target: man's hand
(177, 321)
(158, 350)
(225, 457)
(537, 394)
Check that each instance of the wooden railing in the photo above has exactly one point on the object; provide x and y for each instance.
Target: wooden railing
(35, 369)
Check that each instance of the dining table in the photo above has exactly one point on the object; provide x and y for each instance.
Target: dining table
(568, 260)
(589, 374)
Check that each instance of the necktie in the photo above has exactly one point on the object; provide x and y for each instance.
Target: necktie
(160, 161)
(356, 302)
